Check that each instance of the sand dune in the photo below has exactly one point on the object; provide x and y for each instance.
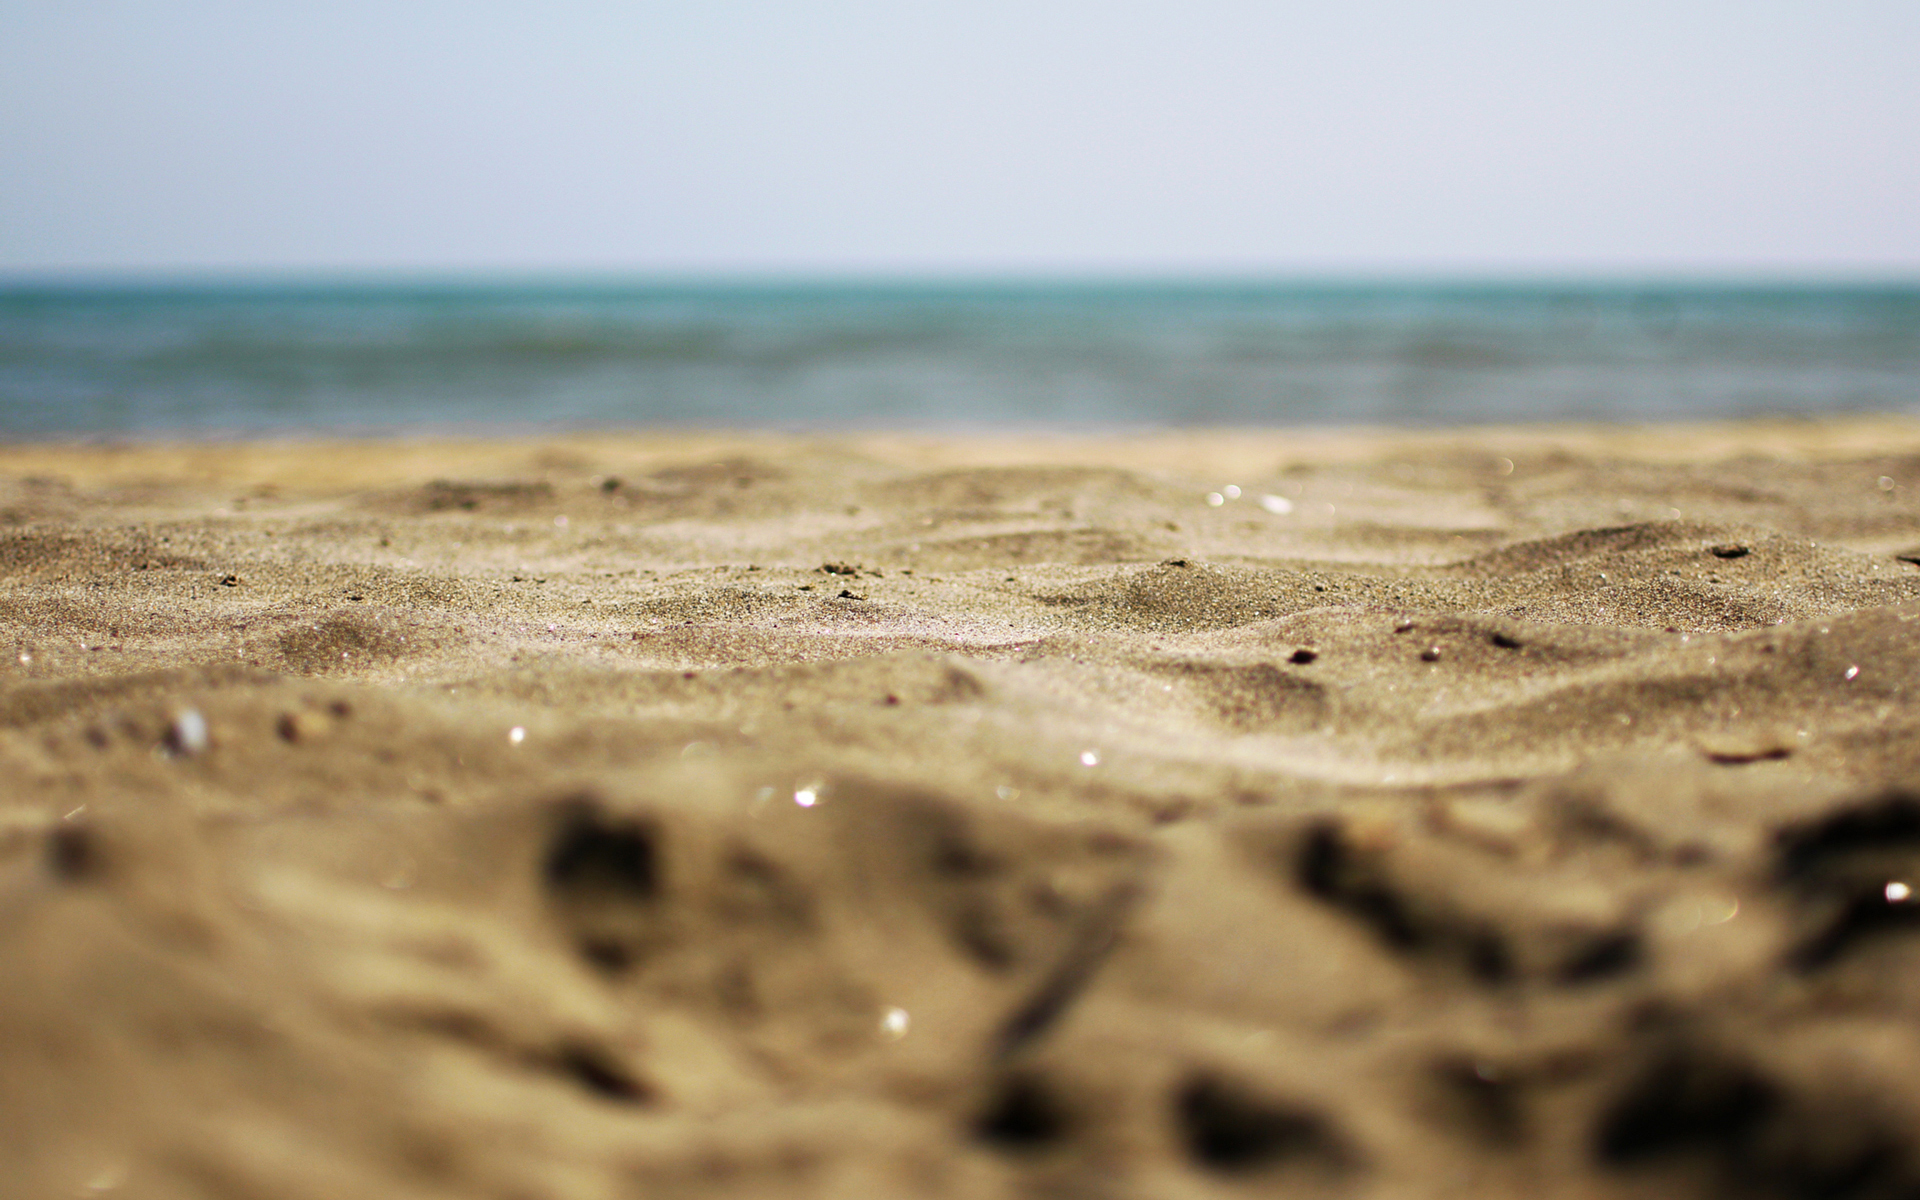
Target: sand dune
(1478, 813)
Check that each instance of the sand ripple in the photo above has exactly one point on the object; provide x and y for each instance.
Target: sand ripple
(1497, 817)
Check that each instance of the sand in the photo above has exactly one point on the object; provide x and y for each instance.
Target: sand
(1522, 812)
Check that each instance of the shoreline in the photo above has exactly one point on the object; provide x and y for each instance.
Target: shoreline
(249, 459)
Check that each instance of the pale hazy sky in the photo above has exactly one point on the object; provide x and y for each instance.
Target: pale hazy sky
(984, 136)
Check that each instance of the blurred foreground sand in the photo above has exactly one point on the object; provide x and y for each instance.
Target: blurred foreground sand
(1373, 814)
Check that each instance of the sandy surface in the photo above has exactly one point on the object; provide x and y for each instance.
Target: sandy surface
(1488, 813)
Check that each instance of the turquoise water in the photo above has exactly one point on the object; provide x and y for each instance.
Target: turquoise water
(259, 359)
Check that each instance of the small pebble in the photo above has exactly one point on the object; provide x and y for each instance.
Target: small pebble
(188, 732)
(1430, 654)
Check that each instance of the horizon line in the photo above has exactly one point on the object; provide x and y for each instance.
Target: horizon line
(729, 279)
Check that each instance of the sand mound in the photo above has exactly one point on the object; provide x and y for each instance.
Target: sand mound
(703, 818)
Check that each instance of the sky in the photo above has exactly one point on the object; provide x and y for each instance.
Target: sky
(972, 137)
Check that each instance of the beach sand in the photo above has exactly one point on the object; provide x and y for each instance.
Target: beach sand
(1505, 813)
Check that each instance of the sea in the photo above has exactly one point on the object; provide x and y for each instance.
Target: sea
(278, 358)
